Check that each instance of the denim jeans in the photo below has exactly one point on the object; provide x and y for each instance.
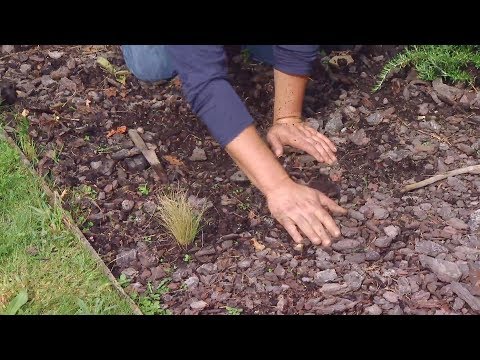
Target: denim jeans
(151, 62)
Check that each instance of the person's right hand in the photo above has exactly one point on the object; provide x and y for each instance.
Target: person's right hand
(298, 207)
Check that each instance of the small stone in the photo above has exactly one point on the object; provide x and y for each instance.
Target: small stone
(390, 297)
(198, 154)
(425, 206)
(192, 282)
(125, 257)
(392, 231)
(474, 222)
(227, 244)
(446, 271)
(345, 245)
(198, 305)
(206, 251)
(61, 72)
(373, 310)
(127, 205)
(419, 213)
(379, 213)
(314, 123)
(95, 165)
(357, 215)
(305, 160)
(334, 289)
(124, 153)
(334, 123)
(325, 276)
(239, 176)
(423, 108)
(137, 163)
(372, 255)
(359, 138)
(147, 259)
(458, 304)
(55, 54)
(199, 203)
(130, 272)
(397, 310)
(24, 68)
(96, 97)
(349, 231)
(207, 269)
(403, 286)
(465, 148)
(457, 224)
(429, 247)
(158, 273)
(107, 167)
(446, 93)
(383, 241)
(356, 258)
(279, 271)
(375, 118)
(149, 207)
(463, 293)
(7, 49)
(145, 274)
(270, 276)
(354, 280)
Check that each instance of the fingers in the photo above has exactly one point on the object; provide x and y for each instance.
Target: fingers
(331, 205)
(328, 223)
(306, 227)
(321, 144)
(310, 148)
(320, 230)
(289, 225)
(323, 149)
(322, 137)
(275, 144)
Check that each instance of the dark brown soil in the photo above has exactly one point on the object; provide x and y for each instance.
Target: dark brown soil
(72, 113)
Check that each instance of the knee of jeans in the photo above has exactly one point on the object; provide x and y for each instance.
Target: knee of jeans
(147, 67)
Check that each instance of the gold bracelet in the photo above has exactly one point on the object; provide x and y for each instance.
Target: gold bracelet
(288, 117)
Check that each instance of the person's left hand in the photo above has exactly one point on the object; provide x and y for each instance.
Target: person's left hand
(297, 134)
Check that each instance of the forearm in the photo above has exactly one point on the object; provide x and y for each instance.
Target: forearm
(255, 159)
(289, 95)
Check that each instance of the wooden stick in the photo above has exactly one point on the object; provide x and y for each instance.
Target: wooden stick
(150, 155)
(473, 169)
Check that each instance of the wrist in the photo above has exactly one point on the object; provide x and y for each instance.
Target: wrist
(279, 185)
(287, 120)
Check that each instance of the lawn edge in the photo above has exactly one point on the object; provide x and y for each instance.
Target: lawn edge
(68, 221)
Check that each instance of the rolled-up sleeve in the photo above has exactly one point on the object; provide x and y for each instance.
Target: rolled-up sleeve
(295, 59)
(203, 72)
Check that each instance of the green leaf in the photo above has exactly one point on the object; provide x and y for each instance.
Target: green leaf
(104, 63)
(15, 305)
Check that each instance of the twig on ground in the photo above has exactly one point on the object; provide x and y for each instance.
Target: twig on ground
(473, 169)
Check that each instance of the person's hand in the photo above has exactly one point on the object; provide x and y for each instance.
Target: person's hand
(298, 207)
(297, 134)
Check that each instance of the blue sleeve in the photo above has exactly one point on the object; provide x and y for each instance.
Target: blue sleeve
(295, 59)
(203, 72)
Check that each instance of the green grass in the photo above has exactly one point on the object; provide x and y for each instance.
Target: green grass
(449, 62)
(143, 189)
(44, 269)
(233, 311)
(23, 138)
(150, 301)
